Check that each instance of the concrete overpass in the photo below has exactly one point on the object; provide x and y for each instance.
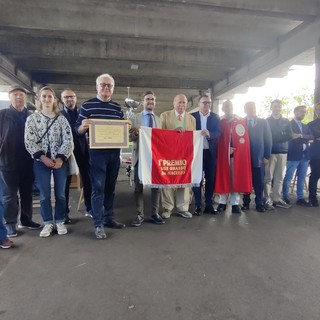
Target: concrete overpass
(170, 46)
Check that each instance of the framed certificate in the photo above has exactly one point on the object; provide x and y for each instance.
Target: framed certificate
(108, 134)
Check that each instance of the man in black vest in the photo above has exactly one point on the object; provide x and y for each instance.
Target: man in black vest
(81, 153)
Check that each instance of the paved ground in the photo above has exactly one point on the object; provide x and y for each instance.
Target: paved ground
(229, 267)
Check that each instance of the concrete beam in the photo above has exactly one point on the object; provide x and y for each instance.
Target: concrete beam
(138, 50)
(287, 50)
(123, 81)
(293, 10)
(145, 21)
(77, 67)
(238, 44)
(13, 75)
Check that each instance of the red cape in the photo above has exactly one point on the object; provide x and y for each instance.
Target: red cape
(242, 176)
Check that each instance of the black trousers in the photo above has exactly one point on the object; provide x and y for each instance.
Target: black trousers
(258, 185)
(313, 180)
(11, 183)
(84, 169)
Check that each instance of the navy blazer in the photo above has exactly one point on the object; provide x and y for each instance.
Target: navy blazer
(295, 151)
(315, 145)
(213, 126)
(260, 142)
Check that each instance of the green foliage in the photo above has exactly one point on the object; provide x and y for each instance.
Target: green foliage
(304, 97)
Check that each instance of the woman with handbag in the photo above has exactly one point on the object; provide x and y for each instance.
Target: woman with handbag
(48, 138)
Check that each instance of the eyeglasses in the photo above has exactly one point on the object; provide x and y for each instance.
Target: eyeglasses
(206, 102)
(68, 97)
(104, 85)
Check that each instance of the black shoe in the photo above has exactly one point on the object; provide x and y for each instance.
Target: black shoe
(137, 222)
(67, 220)
(303, 203)
(29, 225)
(261, 209)
(314, 202)
(114, 224)
(236, 209)
(210, 209)
(245, 207)
(286, 200)
(156, 219)
(197, 211)
(221, 207)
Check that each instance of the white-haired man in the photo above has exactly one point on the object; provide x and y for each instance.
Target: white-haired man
(104, 163)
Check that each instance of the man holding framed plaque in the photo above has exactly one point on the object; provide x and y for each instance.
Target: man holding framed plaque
(108, 133)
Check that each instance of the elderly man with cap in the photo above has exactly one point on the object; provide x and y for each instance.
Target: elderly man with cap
(16, 165)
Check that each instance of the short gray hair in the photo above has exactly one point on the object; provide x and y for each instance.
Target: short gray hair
(104, 75)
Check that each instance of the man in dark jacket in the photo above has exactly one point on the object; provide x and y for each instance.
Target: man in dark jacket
(81, 151)
(298, 156)
(16, 165)
(209, 124)
(260, 149)
(314, 157)
(281, 134)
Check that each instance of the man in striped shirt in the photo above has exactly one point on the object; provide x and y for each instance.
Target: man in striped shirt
(104, 163)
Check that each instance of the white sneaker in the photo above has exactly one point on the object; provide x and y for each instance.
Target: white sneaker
(61, 228)
(166, 214)
(185, 214)
(47, 230)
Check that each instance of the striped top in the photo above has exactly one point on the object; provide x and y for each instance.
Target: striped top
(98, 109)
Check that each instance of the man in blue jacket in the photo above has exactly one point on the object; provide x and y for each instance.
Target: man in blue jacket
(298, 156)
(314, 157)
(281, 134)
(209, 124)
(260, 148)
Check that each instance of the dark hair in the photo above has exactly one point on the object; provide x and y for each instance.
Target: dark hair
(206, 95)
(298, 108)
(148, 92)
(276, 101)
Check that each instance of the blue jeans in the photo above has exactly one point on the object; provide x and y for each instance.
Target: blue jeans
(301, 167)
(43, 178)
(104, 169)
(3, 230)
(12, 182)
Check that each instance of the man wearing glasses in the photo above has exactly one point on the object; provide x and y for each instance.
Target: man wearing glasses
(81, 152)
(104, 163)
(209, 124)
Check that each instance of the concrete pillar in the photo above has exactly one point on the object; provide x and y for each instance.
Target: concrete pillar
(215, 106)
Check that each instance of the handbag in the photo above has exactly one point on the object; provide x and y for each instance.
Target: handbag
(73, 166)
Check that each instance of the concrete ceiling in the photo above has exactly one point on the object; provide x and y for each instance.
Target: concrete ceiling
(169, 46)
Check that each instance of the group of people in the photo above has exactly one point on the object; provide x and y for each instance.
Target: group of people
(239, 154)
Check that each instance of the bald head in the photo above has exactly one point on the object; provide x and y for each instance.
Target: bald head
(250, 109)
(180, 103)
(227, 108)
